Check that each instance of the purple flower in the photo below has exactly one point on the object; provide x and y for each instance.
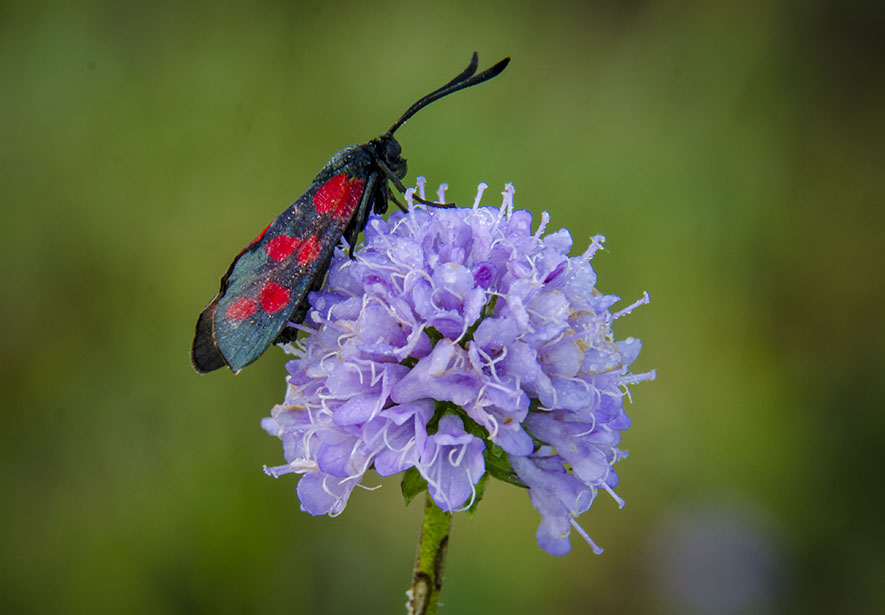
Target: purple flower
(451, 462)
(455, 337)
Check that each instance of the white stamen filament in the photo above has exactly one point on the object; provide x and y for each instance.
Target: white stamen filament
(595, 246)
(472, 494)
(479, 190)
(508, 193)
(545, 218)
(589, 431)
(456, 455)
(635, 378)
(614, 495)
(596, 548)
(629, 309)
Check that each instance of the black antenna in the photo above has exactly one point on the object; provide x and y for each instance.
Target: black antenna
(464, 80)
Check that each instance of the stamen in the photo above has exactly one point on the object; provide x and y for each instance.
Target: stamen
(596, 548)
(615, 496)
(508, 193)
(301, 327)
(502, 210)
(595, 246)
(358, 474)
(490, 362)
(389, 444)
(629, 309)
(472, 495)
(479, 190)
(634, 378)
(589, 431)
(493, 431)
(421, 181)
(545, 218)
(326, 489)
(441, 193)
(456, 456)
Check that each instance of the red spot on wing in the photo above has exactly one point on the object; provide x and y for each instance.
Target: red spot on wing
(273, 297)
(308, 251)
(339, 196)
(241, 309)
(346, 205)
(330, 193)
(281, 246)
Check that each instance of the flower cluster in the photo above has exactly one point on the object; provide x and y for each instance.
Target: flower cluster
(459, 341)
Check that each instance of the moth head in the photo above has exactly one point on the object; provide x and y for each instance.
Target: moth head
(390, 152)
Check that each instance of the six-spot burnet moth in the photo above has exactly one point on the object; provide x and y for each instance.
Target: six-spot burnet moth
(264, 292)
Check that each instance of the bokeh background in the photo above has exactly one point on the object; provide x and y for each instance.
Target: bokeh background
(731, 153)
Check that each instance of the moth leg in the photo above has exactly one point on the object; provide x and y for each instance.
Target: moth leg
(367, 203)
(401, 187)
(432, 203)
(390, 197)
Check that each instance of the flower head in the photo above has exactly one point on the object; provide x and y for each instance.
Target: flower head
(460, 341)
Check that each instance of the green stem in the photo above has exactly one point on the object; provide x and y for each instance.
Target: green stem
(428, 575)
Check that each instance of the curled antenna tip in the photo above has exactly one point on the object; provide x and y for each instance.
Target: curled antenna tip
(465, 79)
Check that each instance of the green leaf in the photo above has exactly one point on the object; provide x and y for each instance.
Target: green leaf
(494, 449)
(498, 465)
(441, 409)
(412, 484)
(433, 334)
(474, 428)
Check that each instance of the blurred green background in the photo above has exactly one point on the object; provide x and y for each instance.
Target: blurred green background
(731, 153)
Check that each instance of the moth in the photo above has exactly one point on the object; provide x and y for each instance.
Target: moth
(264, 292)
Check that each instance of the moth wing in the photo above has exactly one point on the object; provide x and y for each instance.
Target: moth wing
(269, 280)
